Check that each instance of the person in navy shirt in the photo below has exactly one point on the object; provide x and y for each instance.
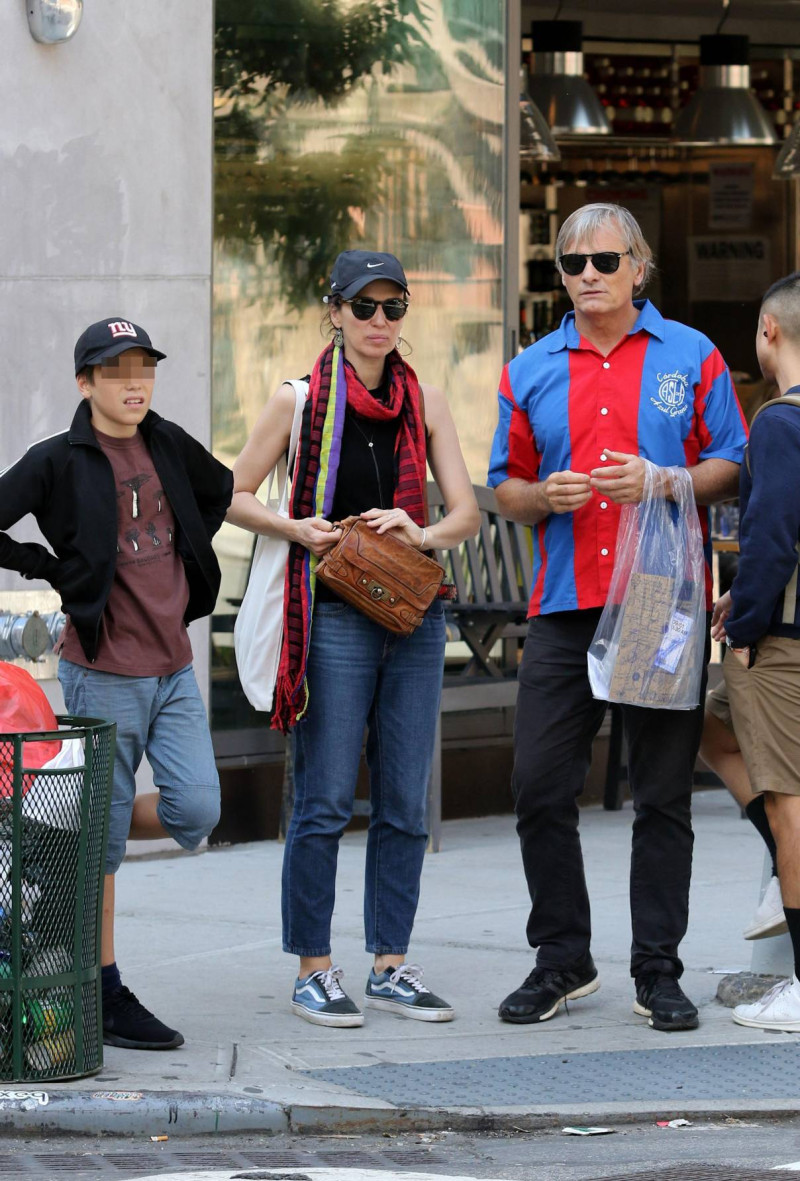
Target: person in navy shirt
(580, 411)
(759, 618)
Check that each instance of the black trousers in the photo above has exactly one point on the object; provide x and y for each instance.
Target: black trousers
(556, 720)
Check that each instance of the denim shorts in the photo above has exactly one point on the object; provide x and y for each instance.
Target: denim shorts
(164, 719)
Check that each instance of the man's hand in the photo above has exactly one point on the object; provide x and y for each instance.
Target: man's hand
(722, 609)
(566, 492)
(623, 484)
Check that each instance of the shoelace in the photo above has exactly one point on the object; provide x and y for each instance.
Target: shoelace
(775, 991)
(329, 979)
(125, 1000)
(410, 974)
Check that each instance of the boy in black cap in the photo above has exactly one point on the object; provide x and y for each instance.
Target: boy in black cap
(128, 503)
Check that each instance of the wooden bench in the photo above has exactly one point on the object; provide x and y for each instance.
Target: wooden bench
(492, 575)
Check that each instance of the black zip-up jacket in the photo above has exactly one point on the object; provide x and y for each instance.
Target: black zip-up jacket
(67, 484)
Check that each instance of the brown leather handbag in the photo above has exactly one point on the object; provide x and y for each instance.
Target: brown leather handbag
(387, 580)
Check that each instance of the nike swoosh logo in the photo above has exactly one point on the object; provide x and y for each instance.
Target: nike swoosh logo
(371, 265)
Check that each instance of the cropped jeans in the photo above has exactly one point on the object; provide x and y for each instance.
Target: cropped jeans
(362, 676)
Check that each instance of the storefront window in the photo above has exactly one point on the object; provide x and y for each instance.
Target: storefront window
(340, 125)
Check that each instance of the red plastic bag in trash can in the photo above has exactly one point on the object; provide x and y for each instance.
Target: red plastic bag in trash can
(23, 707)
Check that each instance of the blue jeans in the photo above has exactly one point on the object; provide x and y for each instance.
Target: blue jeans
(361, 675)
(165, 719)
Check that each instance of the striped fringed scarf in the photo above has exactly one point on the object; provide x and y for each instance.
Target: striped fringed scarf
(333, 384)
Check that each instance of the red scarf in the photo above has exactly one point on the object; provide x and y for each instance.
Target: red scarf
(404, 401)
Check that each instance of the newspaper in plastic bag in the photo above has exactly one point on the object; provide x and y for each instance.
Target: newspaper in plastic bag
(649, 645)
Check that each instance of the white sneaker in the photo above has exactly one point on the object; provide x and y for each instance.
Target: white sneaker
(769, 918)
(778, 1009)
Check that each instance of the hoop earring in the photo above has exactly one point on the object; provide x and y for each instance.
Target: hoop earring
(338, 339)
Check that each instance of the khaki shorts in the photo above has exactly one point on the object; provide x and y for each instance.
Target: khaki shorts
(717, 703)
(765, 709)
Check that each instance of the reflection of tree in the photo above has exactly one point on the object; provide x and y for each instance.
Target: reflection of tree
(269, 58)
(309, 49)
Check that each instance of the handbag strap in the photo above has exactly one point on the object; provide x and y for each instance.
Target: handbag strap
(300, 394)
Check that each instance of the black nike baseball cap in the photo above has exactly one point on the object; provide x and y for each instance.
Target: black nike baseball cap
(353, 269)
(109, 338)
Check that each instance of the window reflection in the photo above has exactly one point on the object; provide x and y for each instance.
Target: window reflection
(339, 125)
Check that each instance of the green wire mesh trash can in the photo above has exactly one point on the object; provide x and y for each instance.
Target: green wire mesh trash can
(53, 835)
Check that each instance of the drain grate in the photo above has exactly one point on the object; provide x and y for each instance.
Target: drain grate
(206, 1160)
(750, 1072)
(62, 1162)
(144, 1162)
(696, 1172)
(277, 1160)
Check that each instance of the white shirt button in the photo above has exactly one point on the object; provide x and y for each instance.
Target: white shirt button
(604, 552)
(603, 457)
(606, 365)
(604, 409)
(603, 504)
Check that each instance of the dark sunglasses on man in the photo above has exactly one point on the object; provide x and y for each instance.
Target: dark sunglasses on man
(606, 262)
(365, 308)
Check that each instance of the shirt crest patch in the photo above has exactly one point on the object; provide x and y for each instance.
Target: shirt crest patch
(671, 394)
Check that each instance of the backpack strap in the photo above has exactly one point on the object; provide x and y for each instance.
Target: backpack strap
(785, 400)
(790, 593)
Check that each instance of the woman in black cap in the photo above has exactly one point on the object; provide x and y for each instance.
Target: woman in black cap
(366, 437)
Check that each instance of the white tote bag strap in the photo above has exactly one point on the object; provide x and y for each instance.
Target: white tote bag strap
(300, 394)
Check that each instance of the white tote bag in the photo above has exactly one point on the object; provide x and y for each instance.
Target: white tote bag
(258, 633)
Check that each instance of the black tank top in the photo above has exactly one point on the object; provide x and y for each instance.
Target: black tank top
(367, 471)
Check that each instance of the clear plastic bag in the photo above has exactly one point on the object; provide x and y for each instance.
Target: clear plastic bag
(649, 645)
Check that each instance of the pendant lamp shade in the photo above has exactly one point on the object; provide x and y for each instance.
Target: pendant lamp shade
(535, 137)
(724, 109)
(557, 85)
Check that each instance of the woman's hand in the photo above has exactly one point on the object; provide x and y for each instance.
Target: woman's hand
(395, 521)
(316, 534)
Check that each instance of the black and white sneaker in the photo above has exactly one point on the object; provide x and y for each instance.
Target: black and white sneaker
(661, 999)
(400, 990)
(545, 990)
(127, 1023)
(320, 999)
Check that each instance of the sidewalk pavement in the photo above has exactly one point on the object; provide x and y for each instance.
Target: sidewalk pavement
(199, 942)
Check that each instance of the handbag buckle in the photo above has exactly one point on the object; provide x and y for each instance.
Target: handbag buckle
(375, 590)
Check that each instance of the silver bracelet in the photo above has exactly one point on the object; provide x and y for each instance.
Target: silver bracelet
(422, 539)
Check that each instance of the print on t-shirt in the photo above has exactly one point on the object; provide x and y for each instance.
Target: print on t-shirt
(135, 504)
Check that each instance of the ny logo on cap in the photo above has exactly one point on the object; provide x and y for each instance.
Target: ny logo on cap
(121, 328)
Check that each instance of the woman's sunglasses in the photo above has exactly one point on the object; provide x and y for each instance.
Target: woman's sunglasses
(606, 262)
(365, 308)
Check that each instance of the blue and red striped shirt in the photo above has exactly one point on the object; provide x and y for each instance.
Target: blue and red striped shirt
(663, 392)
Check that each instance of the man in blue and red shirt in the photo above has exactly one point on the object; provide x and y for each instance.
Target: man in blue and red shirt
(580, 411)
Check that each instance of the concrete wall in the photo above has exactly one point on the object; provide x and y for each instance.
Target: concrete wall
(105, 209)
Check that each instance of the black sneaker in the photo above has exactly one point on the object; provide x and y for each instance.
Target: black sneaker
(127, 1023)
(660, 998)
(545, 990)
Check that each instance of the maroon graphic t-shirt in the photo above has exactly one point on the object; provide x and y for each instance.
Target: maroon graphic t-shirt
(142, 633)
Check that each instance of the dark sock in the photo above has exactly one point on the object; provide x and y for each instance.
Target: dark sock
(757, 815)
(110, 978)
(793, 920)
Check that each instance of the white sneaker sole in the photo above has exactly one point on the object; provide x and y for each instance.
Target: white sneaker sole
(778, 1026)
(775, 925)
(575, 995)
(338, 1020)
(402, 1010)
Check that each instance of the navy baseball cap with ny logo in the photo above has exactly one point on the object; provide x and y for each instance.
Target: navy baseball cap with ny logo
(353, 269)
(108, 338)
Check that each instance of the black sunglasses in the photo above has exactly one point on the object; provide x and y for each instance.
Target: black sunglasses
(365, 308)
(606, 262)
